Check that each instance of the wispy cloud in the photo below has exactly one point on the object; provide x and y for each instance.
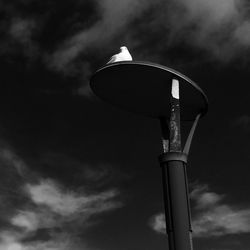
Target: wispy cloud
(9, 240)
(218, 26)
(13, 241)
(47, 205)
(27, 220)
(10, 158)
(66, 203)
(52, 207)
(113, 21)
(212, 216)
(203, 198)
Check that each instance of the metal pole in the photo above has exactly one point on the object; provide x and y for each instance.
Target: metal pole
(175, 189)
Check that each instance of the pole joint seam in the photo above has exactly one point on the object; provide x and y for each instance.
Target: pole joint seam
(173, 156)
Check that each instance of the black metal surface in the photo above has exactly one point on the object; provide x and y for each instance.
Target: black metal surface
(177, 211)
(144, 87)
(190, 136)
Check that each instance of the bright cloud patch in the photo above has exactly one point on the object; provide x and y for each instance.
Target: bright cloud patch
(212, 216)
(65, 202)
(157, 222)
(26, 219)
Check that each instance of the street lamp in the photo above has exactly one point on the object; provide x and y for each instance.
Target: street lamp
(163, 93)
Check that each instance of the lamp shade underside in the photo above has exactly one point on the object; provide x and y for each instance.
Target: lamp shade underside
(145, 88)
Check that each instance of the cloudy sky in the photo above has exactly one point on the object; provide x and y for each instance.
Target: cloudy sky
(79, 174)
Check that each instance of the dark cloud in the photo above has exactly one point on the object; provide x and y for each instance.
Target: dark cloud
(70, 33)
(33, 29)
(218, 28)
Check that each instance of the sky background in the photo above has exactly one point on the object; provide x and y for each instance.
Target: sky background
(76, 173)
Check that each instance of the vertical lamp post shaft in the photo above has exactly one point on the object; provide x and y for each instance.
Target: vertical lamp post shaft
(175, 188)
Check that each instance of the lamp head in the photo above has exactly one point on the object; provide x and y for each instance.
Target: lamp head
(145, 88)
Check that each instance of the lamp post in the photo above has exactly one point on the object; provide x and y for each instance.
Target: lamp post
(163, 93)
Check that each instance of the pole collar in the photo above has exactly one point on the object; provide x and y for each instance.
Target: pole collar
(173, 156)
